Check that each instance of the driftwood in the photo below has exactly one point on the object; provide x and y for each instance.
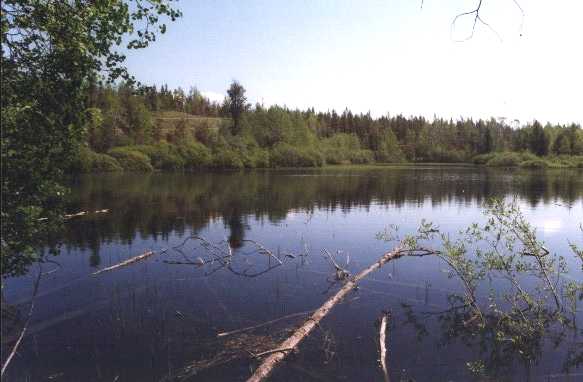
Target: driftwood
(383, 345)
(129, 261)
(265, 369)
(77, 214)
(82, 213)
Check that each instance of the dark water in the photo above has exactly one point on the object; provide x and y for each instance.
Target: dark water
(146, 321)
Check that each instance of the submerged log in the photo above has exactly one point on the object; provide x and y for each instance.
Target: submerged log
(265, 369)
(383, 346)
(125, 263)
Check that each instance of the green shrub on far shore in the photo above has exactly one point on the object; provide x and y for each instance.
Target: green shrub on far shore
(163, 156)
(483, 158)
(225, 158)
(504, 160)
(131, 160)
(285, 155)
(566, 161)
(88, 161)
(361, 157)
(345, 149)
(528, 160)
(534, 163)
(195, 155)
(507, 159)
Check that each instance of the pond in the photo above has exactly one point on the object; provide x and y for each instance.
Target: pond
(150, 320)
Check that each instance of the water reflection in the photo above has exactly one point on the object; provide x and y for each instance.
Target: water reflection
(147, 321)
(156, 205)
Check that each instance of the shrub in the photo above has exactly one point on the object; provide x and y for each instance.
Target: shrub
(344, 149)
(528, 156)
(131, 160)
(535, 163)
(226, 158)
(334, 155)
(361, 156)
(89, 161)
(389, 150)
(444, 155)
(254, 157)
(163, 156)
(261, 158)
(195, 155)
(104, 163)
(483, 158)
(505, 160)
(284, 155)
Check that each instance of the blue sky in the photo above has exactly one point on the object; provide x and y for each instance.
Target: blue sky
(386, 56)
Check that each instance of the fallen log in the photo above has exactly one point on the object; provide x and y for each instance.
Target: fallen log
(125, 263)
(267, 366)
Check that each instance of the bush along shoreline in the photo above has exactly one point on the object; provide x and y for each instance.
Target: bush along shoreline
(194, 156)
(528, 160)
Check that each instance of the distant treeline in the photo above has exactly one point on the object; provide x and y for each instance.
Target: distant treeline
(145, 128)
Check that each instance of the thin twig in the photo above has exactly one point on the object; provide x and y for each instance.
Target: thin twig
(247, 329)
(262, 354)
(263, 250)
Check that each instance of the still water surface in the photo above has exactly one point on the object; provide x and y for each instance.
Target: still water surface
(147, 321)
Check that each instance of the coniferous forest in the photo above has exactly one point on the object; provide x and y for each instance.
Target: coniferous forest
(144, 128)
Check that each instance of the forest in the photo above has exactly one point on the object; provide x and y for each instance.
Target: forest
(144, 128)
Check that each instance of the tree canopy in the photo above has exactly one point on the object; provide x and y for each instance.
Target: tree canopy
(52, 51)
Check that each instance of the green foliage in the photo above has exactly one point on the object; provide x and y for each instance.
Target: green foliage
(528, 160)
(237, 105)
(88, 161)
(507, 159)
(444, 155)
(361, 156)
(389, 150)
(344, 148)
(226, 158)
(534, 163)
(483, 158)
(195, 155)
(162, 156)
(539, 140)
(285, 155)
(131, 160)
(51, 53)
(510, 159)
